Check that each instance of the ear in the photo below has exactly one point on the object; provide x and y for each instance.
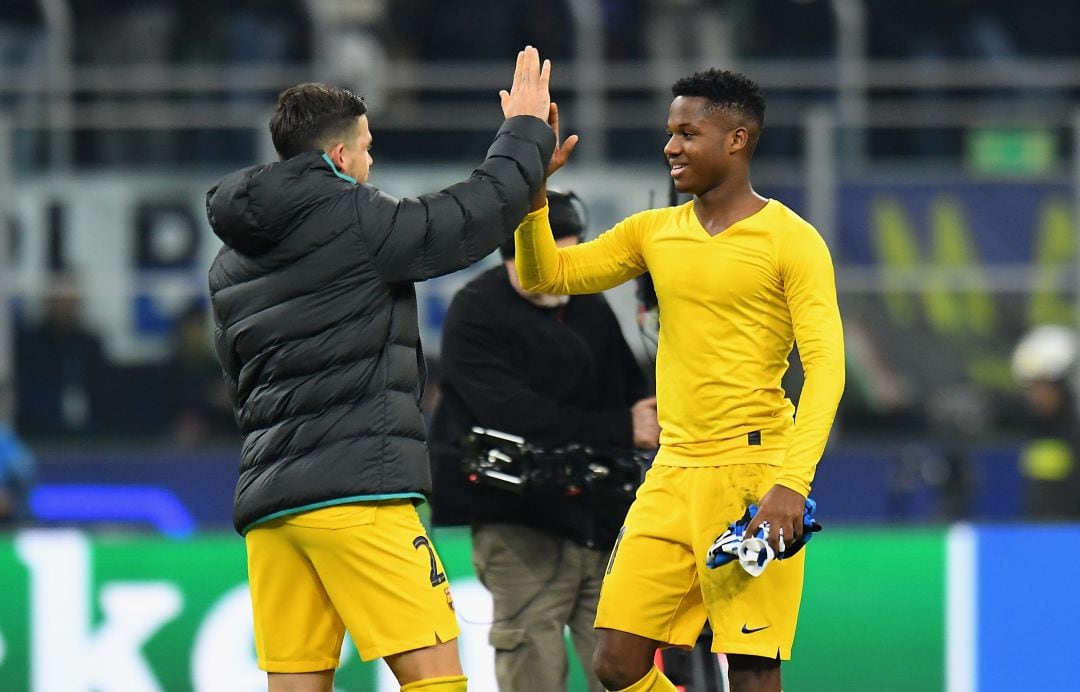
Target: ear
(337, 155)
(739, 138)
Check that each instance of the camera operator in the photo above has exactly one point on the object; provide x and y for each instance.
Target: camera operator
(556, 371)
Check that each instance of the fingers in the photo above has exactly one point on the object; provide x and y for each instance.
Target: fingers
(527, 70)
(519, 70)
(772, 537)
(567, 147)
(562, 149)
(504, 101)
(528, 93)
(532, 64)
(775, 527)
(792, 531)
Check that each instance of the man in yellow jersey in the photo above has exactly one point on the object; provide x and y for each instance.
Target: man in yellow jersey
(316, 329)
(739, 279)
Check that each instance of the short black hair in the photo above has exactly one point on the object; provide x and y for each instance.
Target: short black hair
(565, 214)
(307, 115)
(726, 91)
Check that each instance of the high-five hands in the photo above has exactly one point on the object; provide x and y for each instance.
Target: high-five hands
(529, 94)
(562, 149)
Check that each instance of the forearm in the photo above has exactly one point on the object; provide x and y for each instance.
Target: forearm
(536, 256)
(822, 353)
(810, 288)
(590, 267)
(817, 408)
(414, 239)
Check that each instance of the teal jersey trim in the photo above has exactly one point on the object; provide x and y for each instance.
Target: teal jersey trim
(332, 503)
(337, 172)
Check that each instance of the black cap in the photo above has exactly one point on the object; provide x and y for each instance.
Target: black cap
(564, 215)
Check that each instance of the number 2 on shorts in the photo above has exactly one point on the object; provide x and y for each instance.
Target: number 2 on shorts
(436, 576)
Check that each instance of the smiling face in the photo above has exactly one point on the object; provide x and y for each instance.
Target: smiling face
(705, 145)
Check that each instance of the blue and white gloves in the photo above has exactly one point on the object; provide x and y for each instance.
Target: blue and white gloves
(754, 552)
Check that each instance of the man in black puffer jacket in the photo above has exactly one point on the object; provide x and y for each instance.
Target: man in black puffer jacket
(316, 329)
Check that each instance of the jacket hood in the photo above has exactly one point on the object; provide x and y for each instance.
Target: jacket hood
(252, 210)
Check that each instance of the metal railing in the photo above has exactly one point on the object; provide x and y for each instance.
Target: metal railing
(821, 98)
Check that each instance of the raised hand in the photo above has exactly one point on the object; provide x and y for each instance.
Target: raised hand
(562, 148)
(529, 93)
(558, 160)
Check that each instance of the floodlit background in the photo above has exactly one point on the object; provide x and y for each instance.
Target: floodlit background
(934, 143)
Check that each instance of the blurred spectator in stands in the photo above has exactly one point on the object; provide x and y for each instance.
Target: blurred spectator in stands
(136, 33)
(488, 30)
(792, 30)
(147, 27)
(200, 412)
(877, 398)
(23, 59)
(1045, 365)
(624, 28)
(61, 370)
(685, 35)
(350, 51)
(1043, 28)
(16, 466)
(242, 33)
(22, 32)
(784, 28)
(994, 34)
(992, 29)
(478, 30)
(166, 33)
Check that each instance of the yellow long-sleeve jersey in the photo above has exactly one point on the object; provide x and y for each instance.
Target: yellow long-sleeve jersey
(731, 306)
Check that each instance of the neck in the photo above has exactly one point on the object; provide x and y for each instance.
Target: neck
(730, 201)
(734, 191)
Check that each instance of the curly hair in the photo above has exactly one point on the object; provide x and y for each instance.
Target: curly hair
(308, 115)
(725, 91)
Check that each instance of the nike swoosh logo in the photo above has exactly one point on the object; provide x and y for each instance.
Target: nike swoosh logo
(747, 630)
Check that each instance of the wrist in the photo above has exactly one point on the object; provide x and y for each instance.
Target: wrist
(539, 200)
(795, 486)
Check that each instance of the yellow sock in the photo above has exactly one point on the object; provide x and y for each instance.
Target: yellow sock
(654, 681)
(451, 683)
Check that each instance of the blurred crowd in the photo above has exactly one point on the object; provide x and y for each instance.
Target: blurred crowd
(354, 40)
(69, 391)
(282, 30)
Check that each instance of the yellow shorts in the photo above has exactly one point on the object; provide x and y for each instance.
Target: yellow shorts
(657, 584)
(366, 567)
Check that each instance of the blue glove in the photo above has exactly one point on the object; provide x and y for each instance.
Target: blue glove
(809, 528)
(754, 552)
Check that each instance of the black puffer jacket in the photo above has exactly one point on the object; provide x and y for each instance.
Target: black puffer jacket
(316, 322)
